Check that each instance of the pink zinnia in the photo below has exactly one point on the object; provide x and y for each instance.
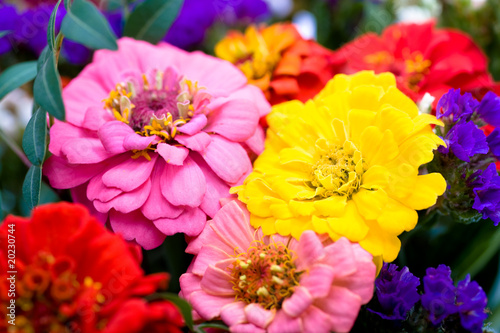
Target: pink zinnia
(154, 137)
(275, 284)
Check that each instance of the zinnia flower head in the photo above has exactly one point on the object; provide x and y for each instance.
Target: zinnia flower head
(278, 61)
(154, 137)
(73, 274)
(442, 299)
(258, 283)
(424, 59)
(396, 292)
(346, 164)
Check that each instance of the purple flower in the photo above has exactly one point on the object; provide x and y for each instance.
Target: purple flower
(29, 30)
(465, 140)
(439, 294)
(471, 301)
(396, 292)
(456, 106)
(486, 187)
(489, 109)
(197, 16)
(494, 142)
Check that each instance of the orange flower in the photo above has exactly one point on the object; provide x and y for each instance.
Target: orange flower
(278, 61)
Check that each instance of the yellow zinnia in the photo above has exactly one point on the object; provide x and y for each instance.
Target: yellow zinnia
(346, 164)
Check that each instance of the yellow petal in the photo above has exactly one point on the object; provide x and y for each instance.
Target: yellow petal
(302, 208)
(331, 206)
(295, 154)
(281, 211)
(339, 129)
(267, 224)
(381, 243)
(350, 224)
(396, 98)
(375, 177)
(358, 121)
(370, 203)
(396, 218)
(427, 189)
(366, 97)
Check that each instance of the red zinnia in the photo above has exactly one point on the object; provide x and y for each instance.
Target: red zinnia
(424, 59)
(74, 275)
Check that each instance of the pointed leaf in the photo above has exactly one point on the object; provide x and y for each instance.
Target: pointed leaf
(85, 24)
(151, 19)
(15, 76)
(35, 137)
(32, 185)
(51, 35)
(183, 306)
(47, 88)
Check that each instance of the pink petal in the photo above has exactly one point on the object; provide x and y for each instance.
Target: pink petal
(300, 300)
(215, 281)
(256, 141)
(342, 306)
(340, 257)
(184, 185)
(79, 194)
(191, 222)
(189, 284)
(283, 323)
(172, 154)
(235, 119)
(318, 280)
(112, 135)
(61, 174)
(127, 201)
(209, 255)
(81, 94)
(316, 320)
(219, 76)
(95, 117)
(96, 190)
(195, 125)
(135, 226)
(227, 159)
(134, 141)
(61, 133)
(246, 328)
(156, 206)
(84, 151)
(209, 306)
(216, 188)
(130, 174)
(259, 316)
(362, 281)
(309, 249)
(233, 313)
(254, 94)
(198, 142)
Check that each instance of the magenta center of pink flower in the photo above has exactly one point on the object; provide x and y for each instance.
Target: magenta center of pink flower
(265, 274)
(158, 103)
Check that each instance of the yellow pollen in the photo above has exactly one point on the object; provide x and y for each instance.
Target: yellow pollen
(264, 279)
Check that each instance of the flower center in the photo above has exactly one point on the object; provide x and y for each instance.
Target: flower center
(50, 286)
(338, 170)
(265, 274)
(157, 105)
(416, 68)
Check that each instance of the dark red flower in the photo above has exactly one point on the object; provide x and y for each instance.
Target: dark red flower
(424, 59)
(72, 275)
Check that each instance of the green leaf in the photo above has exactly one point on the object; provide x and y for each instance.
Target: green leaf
(35, 137)
(51, 35)
(32, 185)
(85, 24)
(478, 252)
(47, 88)
(15, 76)
(151, 19)
(183, 306)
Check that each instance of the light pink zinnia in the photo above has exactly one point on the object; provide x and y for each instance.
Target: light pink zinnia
(273, 283)
(154, 137)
